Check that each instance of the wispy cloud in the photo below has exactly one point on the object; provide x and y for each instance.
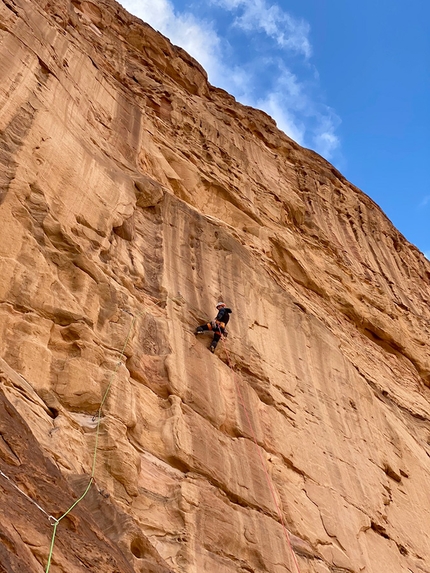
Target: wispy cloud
(298, 115)
(287, 120)
(257, 15)
(425, 202)
(427, 255)
(325, 140)
(196, 36)
(291, 100)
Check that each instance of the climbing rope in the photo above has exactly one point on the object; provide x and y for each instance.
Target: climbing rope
(50, 517)
(260, 455)
(93, 467)
(54, 521)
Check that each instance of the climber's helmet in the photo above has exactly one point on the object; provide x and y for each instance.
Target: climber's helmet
(220, 305)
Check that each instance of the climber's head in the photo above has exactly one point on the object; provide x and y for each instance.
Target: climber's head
(220, 305)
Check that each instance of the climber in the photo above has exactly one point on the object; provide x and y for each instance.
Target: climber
(217, 326)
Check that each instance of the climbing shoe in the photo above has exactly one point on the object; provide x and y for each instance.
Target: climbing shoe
(199, 330)
(212, 348)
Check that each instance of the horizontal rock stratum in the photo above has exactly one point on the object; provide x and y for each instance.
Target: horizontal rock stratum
(134, 195)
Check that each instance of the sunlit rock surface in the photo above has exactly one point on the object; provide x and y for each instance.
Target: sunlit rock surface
(133, 196)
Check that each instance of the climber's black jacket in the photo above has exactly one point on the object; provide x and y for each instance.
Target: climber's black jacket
(223, 315)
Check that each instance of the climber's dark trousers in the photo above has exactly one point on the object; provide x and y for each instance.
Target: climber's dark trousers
(217, 333)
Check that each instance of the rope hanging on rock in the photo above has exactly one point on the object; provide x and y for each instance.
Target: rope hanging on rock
(263, 463)
(50, 517)
(93, 467)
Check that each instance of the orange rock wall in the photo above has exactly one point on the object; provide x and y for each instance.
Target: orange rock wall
(133, 195)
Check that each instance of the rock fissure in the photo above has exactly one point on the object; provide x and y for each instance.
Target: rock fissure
(385, 397)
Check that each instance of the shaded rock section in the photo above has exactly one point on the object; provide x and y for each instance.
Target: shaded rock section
(95, 536)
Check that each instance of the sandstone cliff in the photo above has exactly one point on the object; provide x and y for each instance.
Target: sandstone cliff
(133, 195)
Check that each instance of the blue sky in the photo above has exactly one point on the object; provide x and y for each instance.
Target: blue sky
(350, 80)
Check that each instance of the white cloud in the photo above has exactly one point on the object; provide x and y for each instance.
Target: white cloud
(427, 255)
(299, 116)
(257, 15)
(159, 13)
(284, 103)
(286, 98)
(425, 201)
(325, 140)
(285, 118)
(197, 37)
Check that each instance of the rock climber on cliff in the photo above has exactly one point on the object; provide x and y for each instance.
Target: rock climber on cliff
(217, 326)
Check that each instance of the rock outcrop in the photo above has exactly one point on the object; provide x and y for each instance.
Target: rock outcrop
(133, 195)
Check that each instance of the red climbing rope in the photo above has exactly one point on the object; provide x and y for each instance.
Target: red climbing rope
(263, 463)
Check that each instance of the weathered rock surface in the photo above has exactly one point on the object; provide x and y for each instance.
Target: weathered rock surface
(133, 195)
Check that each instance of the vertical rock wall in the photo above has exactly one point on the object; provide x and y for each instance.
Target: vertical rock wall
(132, 196)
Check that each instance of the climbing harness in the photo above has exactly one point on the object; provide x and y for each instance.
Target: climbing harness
(215, 325)
(260, 455)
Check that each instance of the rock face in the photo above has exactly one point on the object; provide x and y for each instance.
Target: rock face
(133, 195)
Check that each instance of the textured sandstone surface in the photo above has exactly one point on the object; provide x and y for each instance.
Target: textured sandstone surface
(132, 196)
